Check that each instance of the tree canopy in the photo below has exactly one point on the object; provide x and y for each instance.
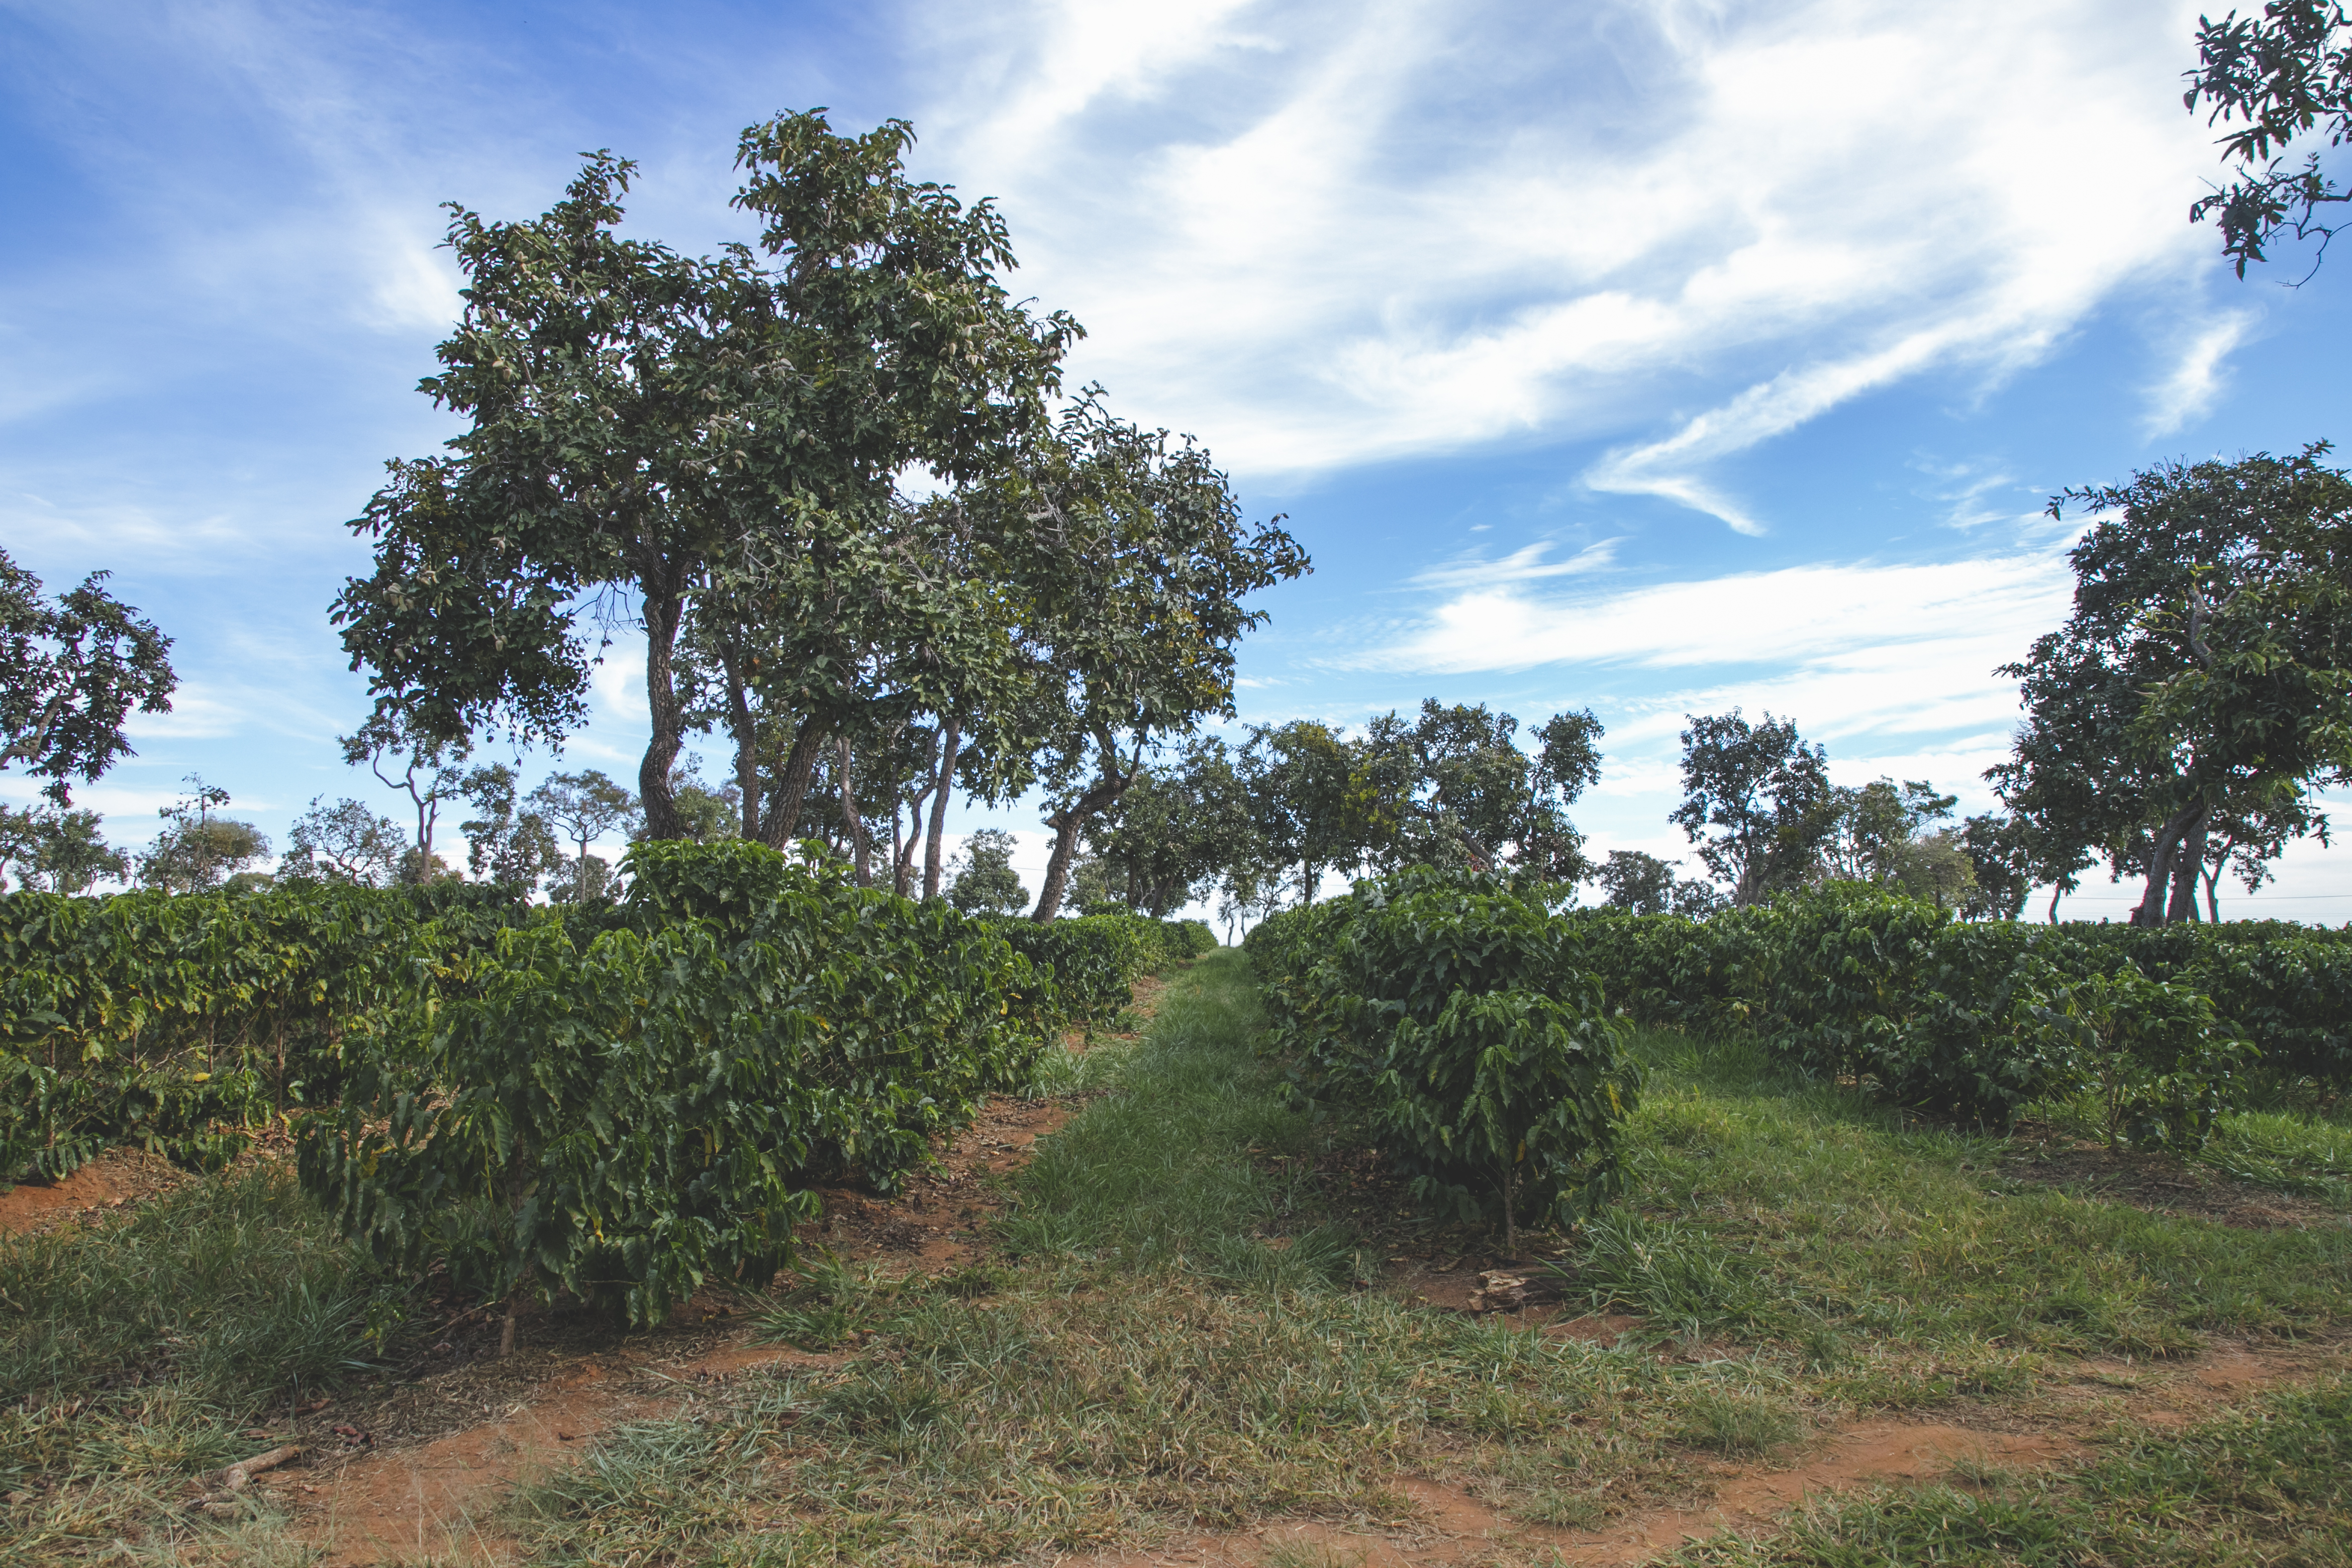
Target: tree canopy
(73, 666)
(2203, 682)
(2278, 82)
(651, 435)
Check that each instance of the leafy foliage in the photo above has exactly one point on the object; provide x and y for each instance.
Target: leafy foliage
(1976, 1020)
(1092, 959)
(2280, 78)
(1453, 1008)
(72, 667)
(626, 1112)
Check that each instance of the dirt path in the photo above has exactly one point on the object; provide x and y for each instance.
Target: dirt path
(117, 1179)
(1450, 1523)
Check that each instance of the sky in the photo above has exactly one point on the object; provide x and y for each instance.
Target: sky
(1657, 358)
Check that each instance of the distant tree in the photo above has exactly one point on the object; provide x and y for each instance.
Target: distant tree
(2002, 863)
(1457, 788)
(2284, 80)
(584, 807)
(1177, 827)
(1297, 780)
(1134, 604)
(583, 879)
(1645, 884)
(1877, 827)
(345, 842)
(424, 767)
(983, 881)
(196, 849)
(1766, 795)
(706, 814)
(506, 841)
(58, 851)
(2246, 837)
(72, 667)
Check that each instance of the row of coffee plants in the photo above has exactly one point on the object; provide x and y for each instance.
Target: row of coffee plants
(618, 1101)
(179, 1021)
(624, 1112)
(1095, 958)
(1457, 1016)
(1976, 1020)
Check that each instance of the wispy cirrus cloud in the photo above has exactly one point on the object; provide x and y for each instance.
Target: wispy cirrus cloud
(2196, 379)
(1526, 565)
(1844, 616)
(1321, 235)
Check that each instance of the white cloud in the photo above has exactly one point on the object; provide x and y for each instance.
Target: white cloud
(1352, 233)
(1525, 564)
(2196, 378)
(1832, 615)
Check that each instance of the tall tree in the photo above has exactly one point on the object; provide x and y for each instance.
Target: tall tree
(426, 767)
(983, 880)
(1133, 594)
(58, 851)
(2278, 82)
(1177, 827)
(72, 668)
(1643, 884)
(197, 849)
(2206, 670)
(506, 841)
(584, 807)
(649, 431)
(1455, 787)
(1299, 780)
(1765, 793)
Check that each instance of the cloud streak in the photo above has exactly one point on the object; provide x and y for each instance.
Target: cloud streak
(1320, 235)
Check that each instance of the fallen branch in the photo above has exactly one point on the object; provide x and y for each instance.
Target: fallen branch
(222, 1503)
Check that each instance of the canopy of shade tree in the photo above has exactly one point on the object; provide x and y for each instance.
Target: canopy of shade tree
(711, 450)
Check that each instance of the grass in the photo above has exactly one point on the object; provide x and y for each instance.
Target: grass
(1175, 1336)
(131, 1355)
(1807, 1215)
(2269, 1484)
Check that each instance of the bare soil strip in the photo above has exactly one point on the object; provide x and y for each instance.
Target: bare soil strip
(1446, 1523)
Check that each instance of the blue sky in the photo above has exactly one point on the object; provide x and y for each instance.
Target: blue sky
(1655, 357)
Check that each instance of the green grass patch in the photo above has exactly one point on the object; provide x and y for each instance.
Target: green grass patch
(2269, 1484)
(132, 1352)
(1771, 1207)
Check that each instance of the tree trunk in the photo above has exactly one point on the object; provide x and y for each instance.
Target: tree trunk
(853, 819)
(902, 854)
(2160, 862)
(747, 747)
(791, 784)
(2188, 865)
(934, 841)
(2213, 890)
(662, 607)
(1068, 824)
(2057, 891)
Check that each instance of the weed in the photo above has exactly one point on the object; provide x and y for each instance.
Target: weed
(1308, 1555)
(1677, 1276)
(1738, 1423)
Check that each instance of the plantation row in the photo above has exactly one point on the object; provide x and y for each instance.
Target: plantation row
(617, 1100)
(1481, 1031)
